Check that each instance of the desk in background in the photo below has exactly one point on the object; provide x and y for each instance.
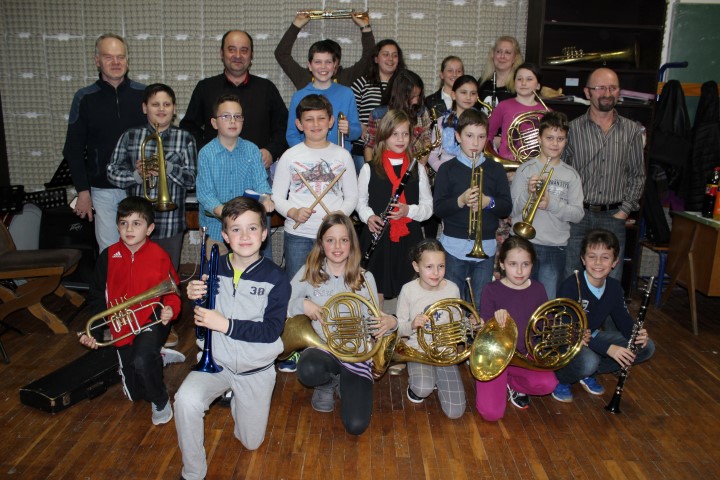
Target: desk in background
(694, 257)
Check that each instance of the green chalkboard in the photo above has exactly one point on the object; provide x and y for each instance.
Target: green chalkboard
(695, 38)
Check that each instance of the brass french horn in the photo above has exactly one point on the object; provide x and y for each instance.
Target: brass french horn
(523, 137)
(553, 336)
(347, 331)
(455, 337)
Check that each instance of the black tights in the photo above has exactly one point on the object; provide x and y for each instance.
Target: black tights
(316, 368)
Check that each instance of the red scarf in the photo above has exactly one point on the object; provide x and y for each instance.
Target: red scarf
(398, 228)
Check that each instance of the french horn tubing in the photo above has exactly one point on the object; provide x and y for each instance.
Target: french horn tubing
(348, 332)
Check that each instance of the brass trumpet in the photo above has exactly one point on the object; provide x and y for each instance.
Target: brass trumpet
(575, 55)
(524, 227)
(163, 202)
(475, 217)
(121, 314)
(334, 14)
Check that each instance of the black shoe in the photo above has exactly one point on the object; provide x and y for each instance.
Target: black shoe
(225, 399)
(519, 400)
(412, 397)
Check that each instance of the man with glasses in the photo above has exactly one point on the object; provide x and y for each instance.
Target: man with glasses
(607, 151)
(265, 112)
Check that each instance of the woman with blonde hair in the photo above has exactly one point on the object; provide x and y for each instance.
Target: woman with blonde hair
(496, 82)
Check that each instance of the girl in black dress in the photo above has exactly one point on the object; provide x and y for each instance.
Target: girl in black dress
(378, 180)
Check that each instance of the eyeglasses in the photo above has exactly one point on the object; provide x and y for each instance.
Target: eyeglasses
(226, 117)
(605, 88)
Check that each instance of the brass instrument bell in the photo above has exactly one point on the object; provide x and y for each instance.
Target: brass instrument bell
(163, 202)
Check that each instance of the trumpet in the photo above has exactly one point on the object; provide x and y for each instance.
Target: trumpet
(334, 14)
(207, 363)
(163, 202)
(574, 55)
(121, 315)
(524, 227)
(475, 217)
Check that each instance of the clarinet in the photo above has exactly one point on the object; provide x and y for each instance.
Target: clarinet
(383, 216)
(614, 405)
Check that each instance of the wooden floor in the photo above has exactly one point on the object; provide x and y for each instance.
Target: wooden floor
(669, 428)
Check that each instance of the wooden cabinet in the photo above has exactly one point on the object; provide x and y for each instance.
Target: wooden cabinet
(630, 30)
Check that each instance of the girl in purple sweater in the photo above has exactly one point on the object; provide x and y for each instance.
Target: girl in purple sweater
(515, 295)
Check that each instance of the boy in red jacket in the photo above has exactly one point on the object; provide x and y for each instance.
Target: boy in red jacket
(125, 269)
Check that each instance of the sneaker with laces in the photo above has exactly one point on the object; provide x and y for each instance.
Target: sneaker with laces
(289, 365)
(562, 393)
(592, 386)
(162, 415)
(172, 339)
(171, 356)
(323, 399)
(519, 400)
(412, 397)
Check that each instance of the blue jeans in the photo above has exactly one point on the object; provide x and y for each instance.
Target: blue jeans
(587, 362)
(296, 249)
(549, 267)
(105, 202)
(590, 221)
(480, 273)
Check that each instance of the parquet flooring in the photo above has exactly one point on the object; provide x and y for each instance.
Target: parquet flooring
(669, 428)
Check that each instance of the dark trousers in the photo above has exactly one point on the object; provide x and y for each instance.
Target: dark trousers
(141, 366)
(316, 368)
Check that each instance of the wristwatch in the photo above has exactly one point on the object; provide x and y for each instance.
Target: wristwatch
(491, 204)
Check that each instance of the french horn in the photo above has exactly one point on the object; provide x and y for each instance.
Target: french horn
(347, 330)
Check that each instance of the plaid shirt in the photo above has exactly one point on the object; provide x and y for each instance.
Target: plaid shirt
(225, 174)
(180, 167)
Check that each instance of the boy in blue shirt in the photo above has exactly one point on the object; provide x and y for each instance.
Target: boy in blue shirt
(228, 166)
(322, 61)
(605, 351)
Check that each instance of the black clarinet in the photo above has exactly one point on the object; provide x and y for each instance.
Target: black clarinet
(614, 405)
(383, 216)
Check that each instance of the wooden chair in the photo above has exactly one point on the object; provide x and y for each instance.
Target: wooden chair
(42, 270)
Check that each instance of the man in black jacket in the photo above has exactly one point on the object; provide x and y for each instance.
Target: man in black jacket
(99, 114)
(263, 107)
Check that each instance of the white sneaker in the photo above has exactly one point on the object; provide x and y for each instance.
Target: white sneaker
(162, 416)
(171, 356)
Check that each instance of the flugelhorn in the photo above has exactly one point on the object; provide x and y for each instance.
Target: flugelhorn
(347, 331)
(614, 405)
(162, 202)
(334, 14)
(575, 55)
(475, 216)
(524, 228)
(207, 363)
(121, 314)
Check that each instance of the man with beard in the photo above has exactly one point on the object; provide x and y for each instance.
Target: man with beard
(264, 110)
(607, 151)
